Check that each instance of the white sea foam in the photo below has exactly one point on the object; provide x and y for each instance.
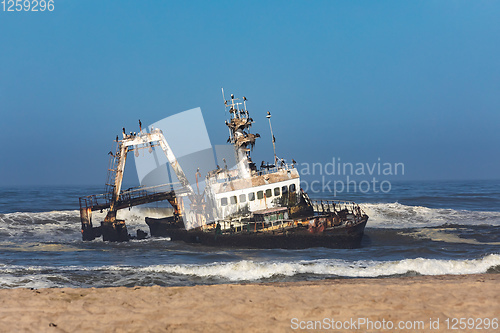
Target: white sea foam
(43, 226)
(447, 235)
(65, 225)
(250, 270)
(135, 217)
(247, 270)
(396, 215)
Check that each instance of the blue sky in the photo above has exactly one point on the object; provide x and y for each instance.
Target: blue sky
(405, 81)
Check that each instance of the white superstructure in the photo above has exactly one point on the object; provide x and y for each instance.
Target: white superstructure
(238, 192)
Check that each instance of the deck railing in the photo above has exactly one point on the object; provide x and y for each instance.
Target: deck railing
(103, 200)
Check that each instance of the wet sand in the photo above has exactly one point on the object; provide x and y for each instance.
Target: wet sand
(273, 307)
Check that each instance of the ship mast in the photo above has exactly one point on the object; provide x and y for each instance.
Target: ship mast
(272, 136)
(239, 134)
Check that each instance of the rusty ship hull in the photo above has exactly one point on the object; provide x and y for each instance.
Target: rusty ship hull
(348, 236)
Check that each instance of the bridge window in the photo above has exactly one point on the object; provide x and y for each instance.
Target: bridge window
(251, 196)
(269, 193)
(260, 194)
(284, 189)
(243, 198)
(233, 200)
(277, 192)
(292, 188)
(223, 202)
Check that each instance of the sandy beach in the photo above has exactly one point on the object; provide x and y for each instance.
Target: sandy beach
(359, 305)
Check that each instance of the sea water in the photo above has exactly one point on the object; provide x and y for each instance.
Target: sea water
(418, 228)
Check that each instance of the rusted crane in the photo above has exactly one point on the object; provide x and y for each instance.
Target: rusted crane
(112, 228)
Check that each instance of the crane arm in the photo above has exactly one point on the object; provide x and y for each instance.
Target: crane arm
(127, 144)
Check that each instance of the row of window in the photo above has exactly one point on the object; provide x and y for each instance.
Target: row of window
(260, 195)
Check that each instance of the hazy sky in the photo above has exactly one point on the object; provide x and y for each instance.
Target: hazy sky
(413, 82)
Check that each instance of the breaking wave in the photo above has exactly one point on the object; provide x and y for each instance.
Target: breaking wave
(65, 225)
(240, 271)
(249, 270)
(396, 215)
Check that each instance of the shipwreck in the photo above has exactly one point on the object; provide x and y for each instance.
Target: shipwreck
(243, 206)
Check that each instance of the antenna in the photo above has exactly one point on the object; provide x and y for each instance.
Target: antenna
(223, 96)
(225, 109)
(272, 135)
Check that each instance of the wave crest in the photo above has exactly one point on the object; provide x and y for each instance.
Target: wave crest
(249, 270)
(396, 215)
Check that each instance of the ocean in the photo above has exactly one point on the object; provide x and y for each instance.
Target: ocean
(418, 228)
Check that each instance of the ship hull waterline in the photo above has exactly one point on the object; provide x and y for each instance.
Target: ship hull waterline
(340, 237)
